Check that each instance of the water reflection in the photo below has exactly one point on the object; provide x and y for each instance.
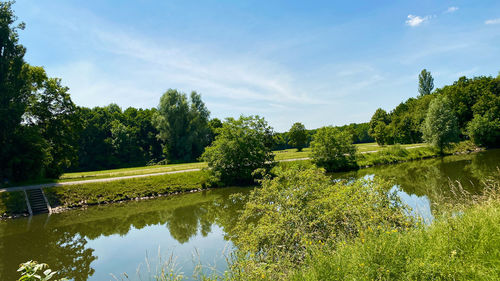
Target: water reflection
(90, 244)
(425, 185)
(61, 240)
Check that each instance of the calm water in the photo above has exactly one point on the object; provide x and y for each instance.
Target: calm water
(92, 244)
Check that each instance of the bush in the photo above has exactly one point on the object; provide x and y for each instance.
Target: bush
(242, 146)
(465, 247)
(483, 131)
(333, 150)
(301, 207)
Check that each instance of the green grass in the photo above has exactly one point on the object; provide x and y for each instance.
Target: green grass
(279, 156)
(463, 247)
(128, 189)
(12, 203)
(131, 171)
(360, 148)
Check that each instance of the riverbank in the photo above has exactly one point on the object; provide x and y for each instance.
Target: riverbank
(13, 204)
(464, 247)
(136, 187)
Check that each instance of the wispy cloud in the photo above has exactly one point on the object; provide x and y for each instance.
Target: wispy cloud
(416, 20)
(493, 21)
(452, 9)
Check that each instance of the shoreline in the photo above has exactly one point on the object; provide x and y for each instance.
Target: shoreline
(84, 205)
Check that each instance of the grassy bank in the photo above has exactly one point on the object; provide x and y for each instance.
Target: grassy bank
(465, 247)
(12, 203)
(114, 191)
(363, 148)
(461, 244)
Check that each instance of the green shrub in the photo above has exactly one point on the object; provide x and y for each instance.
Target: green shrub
(301, 207)
(242, 146)
(12, 203)
(333, 150)
(463, 247)
(483, 131)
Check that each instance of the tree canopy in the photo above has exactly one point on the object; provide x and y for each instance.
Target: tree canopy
(333, 150)
(241, 146)
(440, 126)
(298, 136)
(425, 82)
(182, 125)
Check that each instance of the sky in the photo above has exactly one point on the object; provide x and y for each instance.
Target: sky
(316, 62)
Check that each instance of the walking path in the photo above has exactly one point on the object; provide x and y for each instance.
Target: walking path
(28, 187)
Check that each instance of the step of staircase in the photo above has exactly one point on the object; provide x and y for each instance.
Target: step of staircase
(37, 201)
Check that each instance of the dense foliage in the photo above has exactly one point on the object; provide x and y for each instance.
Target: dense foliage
(182, 125)
(425, 82)
(465, 247)
(241, 146)
(333, 150)
(301, 207)
(298, 136)
(472, 99)
(440, 127)
(37, 129)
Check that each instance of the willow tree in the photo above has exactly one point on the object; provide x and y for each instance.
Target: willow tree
(440, 127)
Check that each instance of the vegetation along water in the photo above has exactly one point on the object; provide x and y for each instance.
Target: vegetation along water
(91, 244)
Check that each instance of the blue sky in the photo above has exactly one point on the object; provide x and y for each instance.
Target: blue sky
(315, 62)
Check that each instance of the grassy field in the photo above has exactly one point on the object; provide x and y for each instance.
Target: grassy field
(130, 171)
(127, 189)
(360, 147)
(280, 155)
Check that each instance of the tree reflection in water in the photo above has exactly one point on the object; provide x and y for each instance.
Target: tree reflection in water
(61, 240)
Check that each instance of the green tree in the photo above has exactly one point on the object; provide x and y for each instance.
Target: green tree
(213, 125)
(242, 146)
(377, 125)
(484, 131)
(333, 150)
(182, 125)
(425, 82)
(14, 90)
(298, 136)
(440, 127)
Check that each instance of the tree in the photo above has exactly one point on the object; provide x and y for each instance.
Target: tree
(378, 122)
(14, 89)
(182, 125)
(333, 150)
(213, 125)
(425, 83)
(242, 146)
(440, 126)
(298, 136)
(484, 131)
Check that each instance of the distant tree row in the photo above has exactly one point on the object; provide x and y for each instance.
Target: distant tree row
(473, 102)
(359, 134)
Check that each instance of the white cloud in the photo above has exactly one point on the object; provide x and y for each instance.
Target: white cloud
(452, 9)
(416, 20)
(493, 21)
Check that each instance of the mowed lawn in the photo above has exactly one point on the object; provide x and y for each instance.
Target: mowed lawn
(360, 147)
(280, 155)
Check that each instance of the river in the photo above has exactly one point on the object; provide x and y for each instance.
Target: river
(191, 229)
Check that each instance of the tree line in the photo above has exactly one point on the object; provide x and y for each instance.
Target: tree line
(471, 107)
